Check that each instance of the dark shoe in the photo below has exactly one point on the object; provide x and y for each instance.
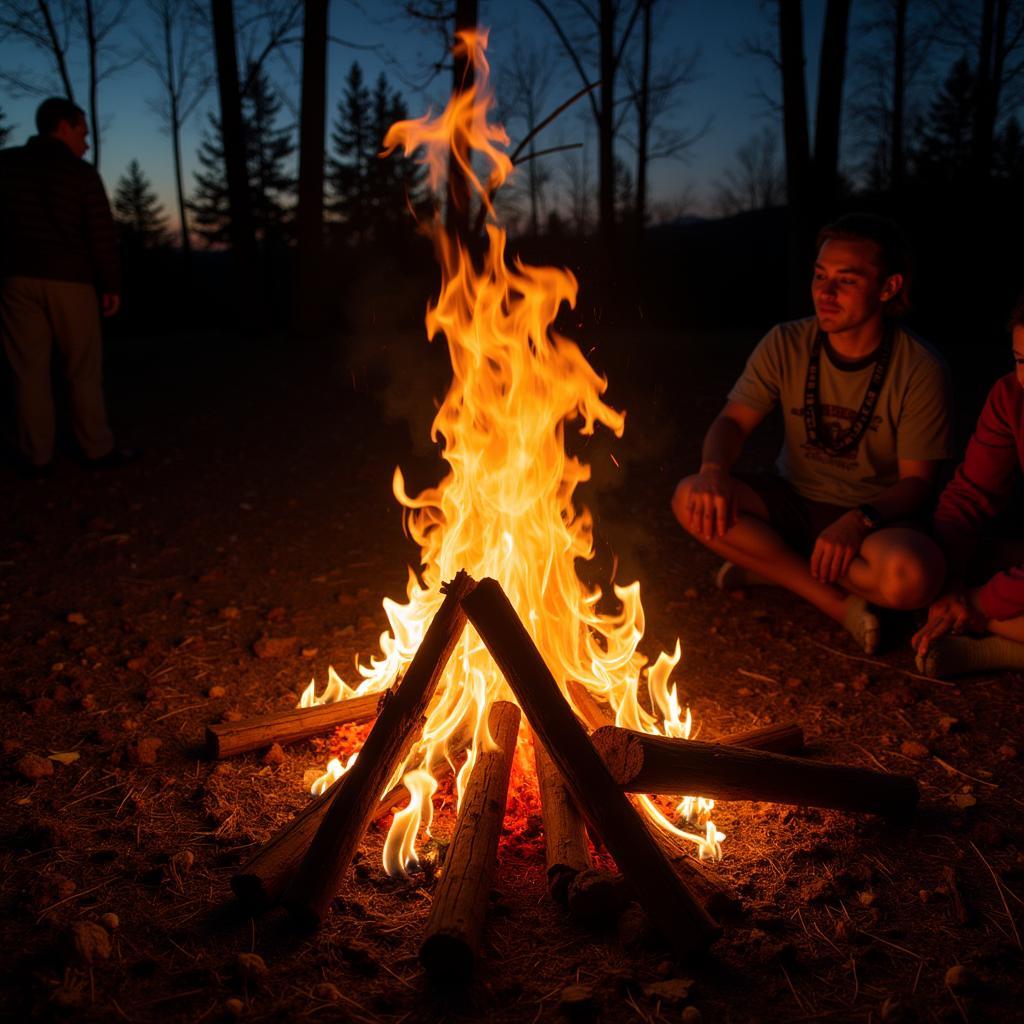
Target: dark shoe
(114, 459)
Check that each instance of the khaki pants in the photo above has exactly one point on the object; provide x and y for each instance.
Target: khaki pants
(34, 313)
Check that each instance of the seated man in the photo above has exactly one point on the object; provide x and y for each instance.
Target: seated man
(866, 412)
(969, 504)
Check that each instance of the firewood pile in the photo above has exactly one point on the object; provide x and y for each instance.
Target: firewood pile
(584, 780)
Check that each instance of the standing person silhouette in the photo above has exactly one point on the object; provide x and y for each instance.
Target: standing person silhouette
(59, 269)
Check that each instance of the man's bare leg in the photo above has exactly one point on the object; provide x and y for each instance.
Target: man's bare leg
(753, 544)
(897, 567)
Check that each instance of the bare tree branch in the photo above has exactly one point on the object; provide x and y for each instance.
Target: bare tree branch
(569, 49)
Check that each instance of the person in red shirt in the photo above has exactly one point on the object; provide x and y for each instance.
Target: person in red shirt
(991, 608)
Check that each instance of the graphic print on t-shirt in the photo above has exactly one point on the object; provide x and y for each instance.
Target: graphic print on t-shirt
(836, 420)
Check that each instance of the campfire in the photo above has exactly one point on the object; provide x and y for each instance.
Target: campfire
(500, 646)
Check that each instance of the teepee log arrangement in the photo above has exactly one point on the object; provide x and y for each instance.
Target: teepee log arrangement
(584, 782)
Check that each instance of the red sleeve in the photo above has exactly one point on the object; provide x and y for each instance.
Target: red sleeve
(1003, 596)
(980, 488)
(983, 481)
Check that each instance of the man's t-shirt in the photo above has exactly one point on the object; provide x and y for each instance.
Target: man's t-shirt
(910, 420)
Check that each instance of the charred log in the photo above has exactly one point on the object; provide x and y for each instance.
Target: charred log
(675, 911)
(330, 853)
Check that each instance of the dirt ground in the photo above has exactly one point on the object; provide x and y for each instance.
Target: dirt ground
(131, 601)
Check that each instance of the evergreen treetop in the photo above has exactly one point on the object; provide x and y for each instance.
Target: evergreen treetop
(269, 149)
(369, 196)
(137, 208)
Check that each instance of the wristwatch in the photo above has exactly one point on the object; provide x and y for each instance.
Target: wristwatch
(870, 517)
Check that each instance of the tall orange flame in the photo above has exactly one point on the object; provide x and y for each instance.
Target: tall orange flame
(505, 509)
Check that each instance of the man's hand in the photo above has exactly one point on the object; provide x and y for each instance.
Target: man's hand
(706, 504)
(837, 546)
(111, 302)
(953, 612)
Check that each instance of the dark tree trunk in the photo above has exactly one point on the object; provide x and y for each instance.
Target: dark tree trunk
(90, 39)
(897, 159)
(643, 128)
(308, 312)
(240, 228)
(981, 140)
(991, 60)
(798, 157)
(186, 244)
(606, 147)
(831, 72)
(458, 214)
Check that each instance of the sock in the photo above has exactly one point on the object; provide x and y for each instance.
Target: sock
(731, 576)
(960, 655)
(862, 624)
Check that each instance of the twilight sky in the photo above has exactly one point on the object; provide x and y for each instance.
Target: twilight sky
(725, 90)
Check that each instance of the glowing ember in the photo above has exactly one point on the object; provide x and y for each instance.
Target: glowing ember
(505, 509)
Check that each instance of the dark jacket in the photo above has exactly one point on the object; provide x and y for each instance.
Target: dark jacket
(55, 220)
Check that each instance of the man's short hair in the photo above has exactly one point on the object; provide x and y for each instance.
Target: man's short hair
(893, 249)
(1016, 314)
(51, 112)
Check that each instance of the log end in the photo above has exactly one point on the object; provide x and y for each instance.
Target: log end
(305, 914)
(213, 742)
(621, 753)
(560, 878)
(251, 893)
(447, 957)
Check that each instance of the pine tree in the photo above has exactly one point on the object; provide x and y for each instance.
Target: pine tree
(944, 152)
(396, 181)
(353, 151)
(209, 202)
(269, 150)
(137, 209)
(370, 196)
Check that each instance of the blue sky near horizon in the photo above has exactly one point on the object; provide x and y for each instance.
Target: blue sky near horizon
(725, 91)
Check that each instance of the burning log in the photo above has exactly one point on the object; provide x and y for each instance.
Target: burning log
(595, 715)
(565, 839)
(787, 738)
(263, 880)
(456, 921)
(673, 909)
(719, 900)
(641, 763)
(225, 739)
(330, 853)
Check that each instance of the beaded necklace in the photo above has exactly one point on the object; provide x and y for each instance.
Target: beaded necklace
(846, 441)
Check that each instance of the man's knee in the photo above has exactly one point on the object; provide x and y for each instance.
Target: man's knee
(680, 503)
(909, 580)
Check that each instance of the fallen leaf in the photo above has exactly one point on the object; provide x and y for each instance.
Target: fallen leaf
(66, 757)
